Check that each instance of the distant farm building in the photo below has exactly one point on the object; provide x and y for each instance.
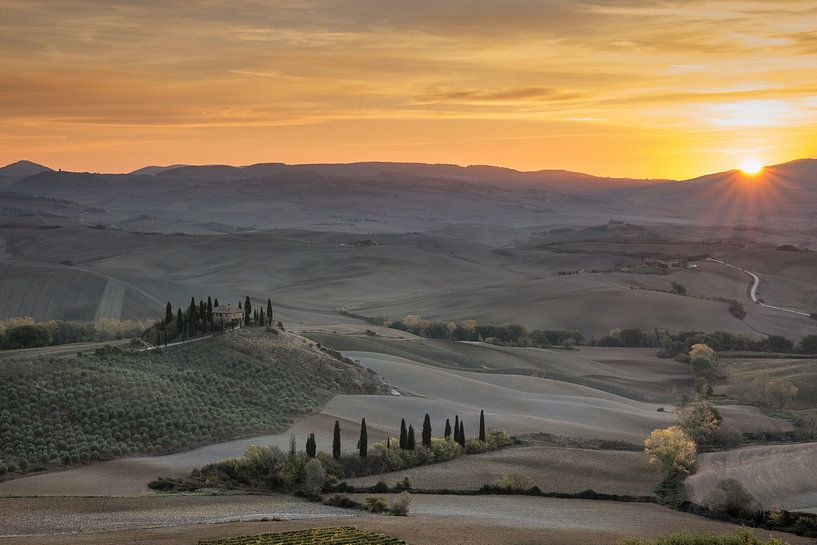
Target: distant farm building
(227, 314)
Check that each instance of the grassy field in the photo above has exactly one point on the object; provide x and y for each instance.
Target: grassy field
(319, 536)
(800, 372)
(60, 411)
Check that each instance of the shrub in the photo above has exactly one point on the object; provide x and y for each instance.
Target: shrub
(765, 391)
(400, 506)
(375, 505)
(27, 336)
(729, 496)
(314, 478)
(515, 482)
(679, 288)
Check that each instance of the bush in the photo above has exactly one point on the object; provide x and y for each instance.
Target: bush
(314, 478)
(400, 506)
(730, 497)
(27, 336)
(515, 483)
(375, 505)
(679, 288)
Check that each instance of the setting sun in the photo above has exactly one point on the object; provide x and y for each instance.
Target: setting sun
(751, 167)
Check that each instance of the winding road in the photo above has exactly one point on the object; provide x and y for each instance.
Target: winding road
(753, 291)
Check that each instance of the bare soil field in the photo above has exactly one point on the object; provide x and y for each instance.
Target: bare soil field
(552, 469)
(777, 475)
(456, 520)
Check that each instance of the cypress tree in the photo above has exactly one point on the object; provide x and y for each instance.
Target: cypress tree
(247, 310)
(210, 310)
(336, 442)
(269, 311)
(482, 426)
(215, 302)
(447, 429)
(462, 434)
(168, 313)
(411, 441)
(427, 432)
(457, 428)
(293, 448)
(311, 446)
(262, 320)
(403, 435)
(364, 439)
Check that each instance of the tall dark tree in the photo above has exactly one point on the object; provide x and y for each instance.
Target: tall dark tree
(215, 302)
(180, 323)
(403, 434)
(364, 439)
(457, 428)
(262, 320)
(311, 446)
(411, 442)
(447, 429)
(482, 426)
(269, 311)
(168, 313)
(210, 310)
(336, 442)
(427, 432)
(462, 434)
(247, 310)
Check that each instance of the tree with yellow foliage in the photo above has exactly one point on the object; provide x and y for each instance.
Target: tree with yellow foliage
(672, 450)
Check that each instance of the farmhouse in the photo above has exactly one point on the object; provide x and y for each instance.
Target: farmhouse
(227, 314)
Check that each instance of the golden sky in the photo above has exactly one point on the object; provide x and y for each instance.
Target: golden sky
(619, 88)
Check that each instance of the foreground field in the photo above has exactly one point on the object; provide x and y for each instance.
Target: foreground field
(456, 520)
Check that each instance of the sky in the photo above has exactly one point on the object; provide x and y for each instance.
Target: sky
(653, 89)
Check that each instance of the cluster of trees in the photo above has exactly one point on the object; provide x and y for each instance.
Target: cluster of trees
(61, 411)
(197, 319)
(26, 333)
(673, 345)
(269, 468)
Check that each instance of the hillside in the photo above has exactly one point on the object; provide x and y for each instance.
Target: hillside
(60, 411)
(21, 169)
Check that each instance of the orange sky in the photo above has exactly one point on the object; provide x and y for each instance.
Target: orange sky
(637, 88)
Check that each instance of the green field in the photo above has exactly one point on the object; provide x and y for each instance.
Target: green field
(800, 372)
(61, 411)
(319, 536)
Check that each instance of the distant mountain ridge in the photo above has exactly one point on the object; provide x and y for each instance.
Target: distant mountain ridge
(23, 168)
(407, 197)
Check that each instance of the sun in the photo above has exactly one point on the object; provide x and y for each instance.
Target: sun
(751, 167)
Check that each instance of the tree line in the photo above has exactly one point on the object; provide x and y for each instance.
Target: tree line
(669, 344)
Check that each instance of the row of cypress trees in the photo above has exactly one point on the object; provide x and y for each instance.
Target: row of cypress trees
(407, 439)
